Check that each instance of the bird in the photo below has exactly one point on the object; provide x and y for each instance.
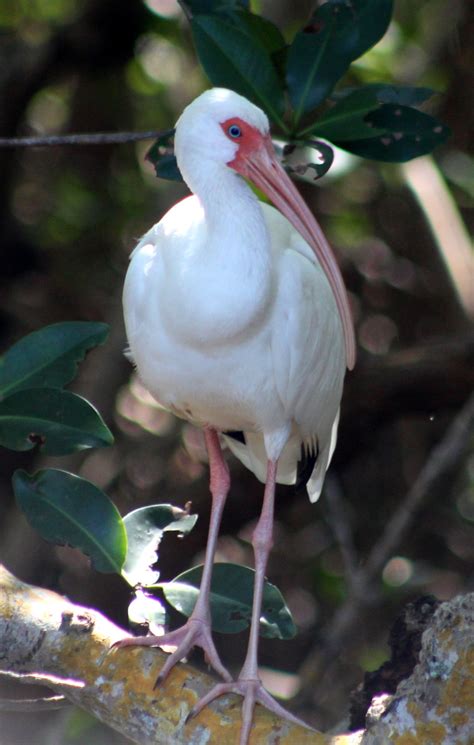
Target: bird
(238, 320)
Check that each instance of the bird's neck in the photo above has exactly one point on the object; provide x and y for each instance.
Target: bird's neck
(235, 224)
(226, 274)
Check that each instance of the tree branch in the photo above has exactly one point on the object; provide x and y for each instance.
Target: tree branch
(45, 638)
(98, 138)
(442, 458)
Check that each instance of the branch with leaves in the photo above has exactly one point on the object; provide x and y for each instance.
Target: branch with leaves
(36, 410)
(297, 84)
(47, 640)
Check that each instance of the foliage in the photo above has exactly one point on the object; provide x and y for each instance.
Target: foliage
(69, 510)
(247, 53)
(231, 600)
(34, 409)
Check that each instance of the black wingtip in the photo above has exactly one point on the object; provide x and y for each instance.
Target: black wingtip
(305, 467)
(236, 434)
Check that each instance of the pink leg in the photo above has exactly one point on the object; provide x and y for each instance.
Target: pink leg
(197, 629)
(248, 683)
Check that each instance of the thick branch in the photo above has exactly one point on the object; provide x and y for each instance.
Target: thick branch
(435, 704)
(68, 647)
(46, 639)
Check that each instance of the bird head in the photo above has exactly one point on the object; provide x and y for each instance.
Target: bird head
(217, 125)
(223, 128)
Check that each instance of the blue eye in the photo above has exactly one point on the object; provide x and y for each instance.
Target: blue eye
(234, 131)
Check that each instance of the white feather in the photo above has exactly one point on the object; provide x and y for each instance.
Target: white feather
(230, 319)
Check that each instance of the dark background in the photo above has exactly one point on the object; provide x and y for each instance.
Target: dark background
(69, 218)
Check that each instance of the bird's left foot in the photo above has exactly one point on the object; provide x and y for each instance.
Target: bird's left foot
(253, 692)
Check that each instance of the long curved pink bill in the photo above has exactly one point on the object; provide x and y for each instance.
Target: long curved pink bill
(265, 171)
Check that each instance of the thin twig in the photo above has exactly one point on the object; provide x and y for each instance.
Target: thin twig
(317, 666)
(443, 456)
(99, 138)
(341, 528)
(46, 703)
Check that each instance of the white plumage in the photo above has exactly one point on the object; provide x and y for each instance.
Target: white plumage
(234, 325)
(230, 319)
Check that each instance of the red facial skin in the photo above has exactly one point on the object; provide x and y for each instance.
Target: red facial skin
(249, 141)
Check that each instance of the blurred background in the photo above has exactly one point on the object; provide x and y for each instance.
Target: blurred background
(69, 217)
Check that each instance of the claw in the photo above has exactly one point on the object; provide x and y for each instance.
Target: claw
(194, 633)
(253, 692)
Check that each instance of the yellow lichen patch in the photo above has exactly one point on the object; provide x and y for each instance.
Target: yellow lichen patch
(459, 688)
(414, 709)
(426, 733)
(459, 718)
(224, 719)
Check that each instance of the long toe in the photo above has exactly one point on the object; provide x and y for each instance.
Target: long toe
(253, 692)
(194, 633)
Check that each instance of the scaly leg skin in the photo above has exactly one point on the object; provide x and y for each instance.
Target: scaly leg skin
(197, 629)
(248, 683)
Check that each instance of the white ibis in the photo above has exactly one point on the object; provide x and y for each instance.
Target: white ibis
(238, 321)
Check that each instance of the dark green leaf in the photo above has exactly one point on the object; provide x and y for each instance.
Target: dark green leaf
(261, 30)
(233, 59)
(401, 94)
(231, 600)
(316, 60)
(145, 528)
(162, 157)
(145, 609)
(68, 510)
(215, 7)
(347, 119)
(371, 19)
(49, 357)
(300, 160)
(320, 54)
(59, 421)
(399, 133)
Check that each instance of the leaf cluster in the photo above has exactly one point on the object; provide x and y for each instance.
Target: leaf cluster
(66, 509)
(294, 83)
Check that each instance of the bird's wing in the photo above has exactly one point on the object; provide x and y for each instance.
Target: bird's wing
(308, 361)
(149, 259)
(307, 343)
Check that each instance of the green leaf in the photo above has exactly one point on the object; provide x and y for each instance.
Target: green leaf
(215, 7)
(316, 60)
(234, 59)
(398, 133)
(146, 609)
(68, 510)
(59, 421)
(347, 119)
(49, 357)
(145, 528)
(370, 19)
(300, 160)
(231, 600)
(262, 31)
(321, 53)
(161, 156)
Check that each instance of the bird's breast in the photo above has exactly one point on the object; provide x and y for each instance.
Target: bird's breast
(198, 311)
(209, 285)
